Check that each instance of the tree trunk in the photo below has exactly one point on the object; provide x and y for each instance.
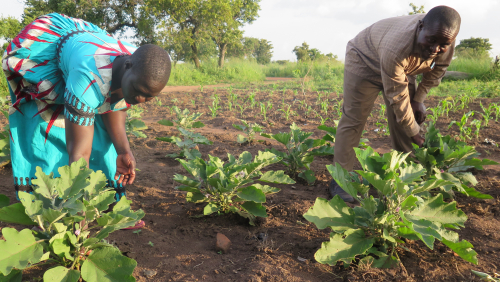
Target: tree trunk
(222, 54)
(195, 58)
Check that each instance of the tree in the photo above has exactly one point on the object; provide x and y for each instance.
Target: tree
(226, 32)
(474, 47)
(263, 53)
(302, 52)
(305, 54)
(114, 16)
(416, 9)
(9, 28)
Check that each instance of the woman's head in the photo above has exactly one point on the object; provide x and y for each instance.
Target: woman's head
(146, 73)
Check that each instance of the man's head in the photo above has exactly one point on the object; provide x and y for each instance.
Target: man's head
(147, 72)
(437, 31)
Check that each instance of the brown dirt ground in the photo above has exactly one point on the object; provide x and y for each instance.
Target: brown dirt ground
(184, 246)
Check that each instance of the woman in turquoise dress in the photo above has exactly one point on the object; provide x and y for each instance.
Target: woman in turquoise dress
(70, 84)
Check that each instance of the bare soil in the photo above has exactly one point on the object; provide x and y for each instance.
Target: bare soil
(282, 247)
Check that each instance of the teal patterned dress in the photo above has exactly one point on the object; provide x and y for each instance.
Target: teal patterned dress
(59, 67)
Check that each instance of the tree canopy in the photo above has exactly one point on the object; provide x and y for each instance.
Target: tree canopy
(304, 53)
(473, 47)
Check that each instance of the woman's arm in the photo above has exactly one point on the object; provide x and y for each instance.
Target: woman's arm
(78, 141)
(125, 162)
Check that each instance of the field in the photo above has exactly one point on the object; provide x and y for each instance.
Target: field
(176, 246)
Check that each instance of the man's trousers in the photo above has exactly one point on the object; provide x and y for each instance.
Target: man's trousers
(359, 96)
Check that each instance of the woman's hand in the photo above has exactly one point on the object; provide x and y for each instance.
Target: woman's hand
(125, 168)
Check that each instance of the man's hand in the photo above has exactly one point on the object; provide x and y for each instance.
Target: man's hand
(419, 111)
(125, 168)
(417, 139)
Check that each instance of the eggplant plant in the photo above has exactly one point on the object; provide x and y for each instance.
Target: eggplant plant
(71, 227)
(185, 123)
(331, 133)
(373, 230)
(300, 152)
(230, 187)
(250, 129)
(133, 123)
(446, 158)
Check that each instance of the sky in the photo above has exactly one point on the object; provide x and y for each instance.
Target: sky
(329, 24)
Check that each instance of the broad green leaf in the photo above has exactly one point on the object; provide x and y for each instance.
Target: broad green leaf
(241, 139)
(266, 189)
(277, 177)
(463, 249)
(195, 197)
(343, 179)
(411, 173)
(430, 184)
(166, 139)
(197, 124)
(108, 265)
(309, 176)
(51, 215)
(334, 214)
(436, 210)
(344, 249)
(166, 122)
(14, 276)
(409, 203)
(45, 184)
(384, 186)
(97, 183)
(73, 179)
(370, 205)
(474, 193)
(62, 248)
(18, 250)
(467, 178)
(32, 206)
(252, 193)
(210, 208)
(61, 274)
(138, 124)
(102, 201)
(4, 201)
(15, 213)
(255, 208)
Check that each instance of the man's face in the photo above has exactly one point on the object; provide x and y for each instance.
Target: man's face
(434, 40)
(136, 90)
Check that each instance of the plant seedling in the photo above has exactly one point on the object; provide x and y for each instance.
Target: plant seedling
(249, 129)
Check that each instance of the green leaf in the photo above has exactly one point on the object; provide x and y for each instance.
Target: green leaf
(210, 208)
(51, 215)
(14, 276)
(430, 184)
(45, 184)
(166, 122)
(474, 193)
(61, 274)
(277, 177)
(266, 189)
(334, 214)
(436, 210)
(343, 179)
(102, 201)
(255, 208)
(309, 176)
(195, 197)
(463, 249)
(4, 201)
(15, 213)
(252, 193)
(241, 139)
(411, 173)
(32, 206)
(62, 248)
(108, 265)
(384, 186)
(97, 183)
(198, 124)
(18, 250)
(73, 179)
(344, 249)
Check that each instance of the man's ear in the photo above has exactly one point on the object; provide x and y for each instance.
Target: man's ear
(128, 64)
(420, 25)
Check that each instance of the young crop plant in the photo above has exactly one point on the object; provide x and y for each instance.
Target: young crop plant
(372, 231)
(250, 129)
(264, 108)
(71, 227)
(446, 158)
(133, 123)
(229, 187)
(462, 125)
(487, 112)
(215, 105)
(300, 152)
(436, 113)
(185, 123)
(497, 111)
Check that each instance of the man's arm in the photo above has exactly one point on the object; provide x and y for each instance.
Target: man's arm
(125, 162)
(78, 141)
(396, 90)
(433, 78)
